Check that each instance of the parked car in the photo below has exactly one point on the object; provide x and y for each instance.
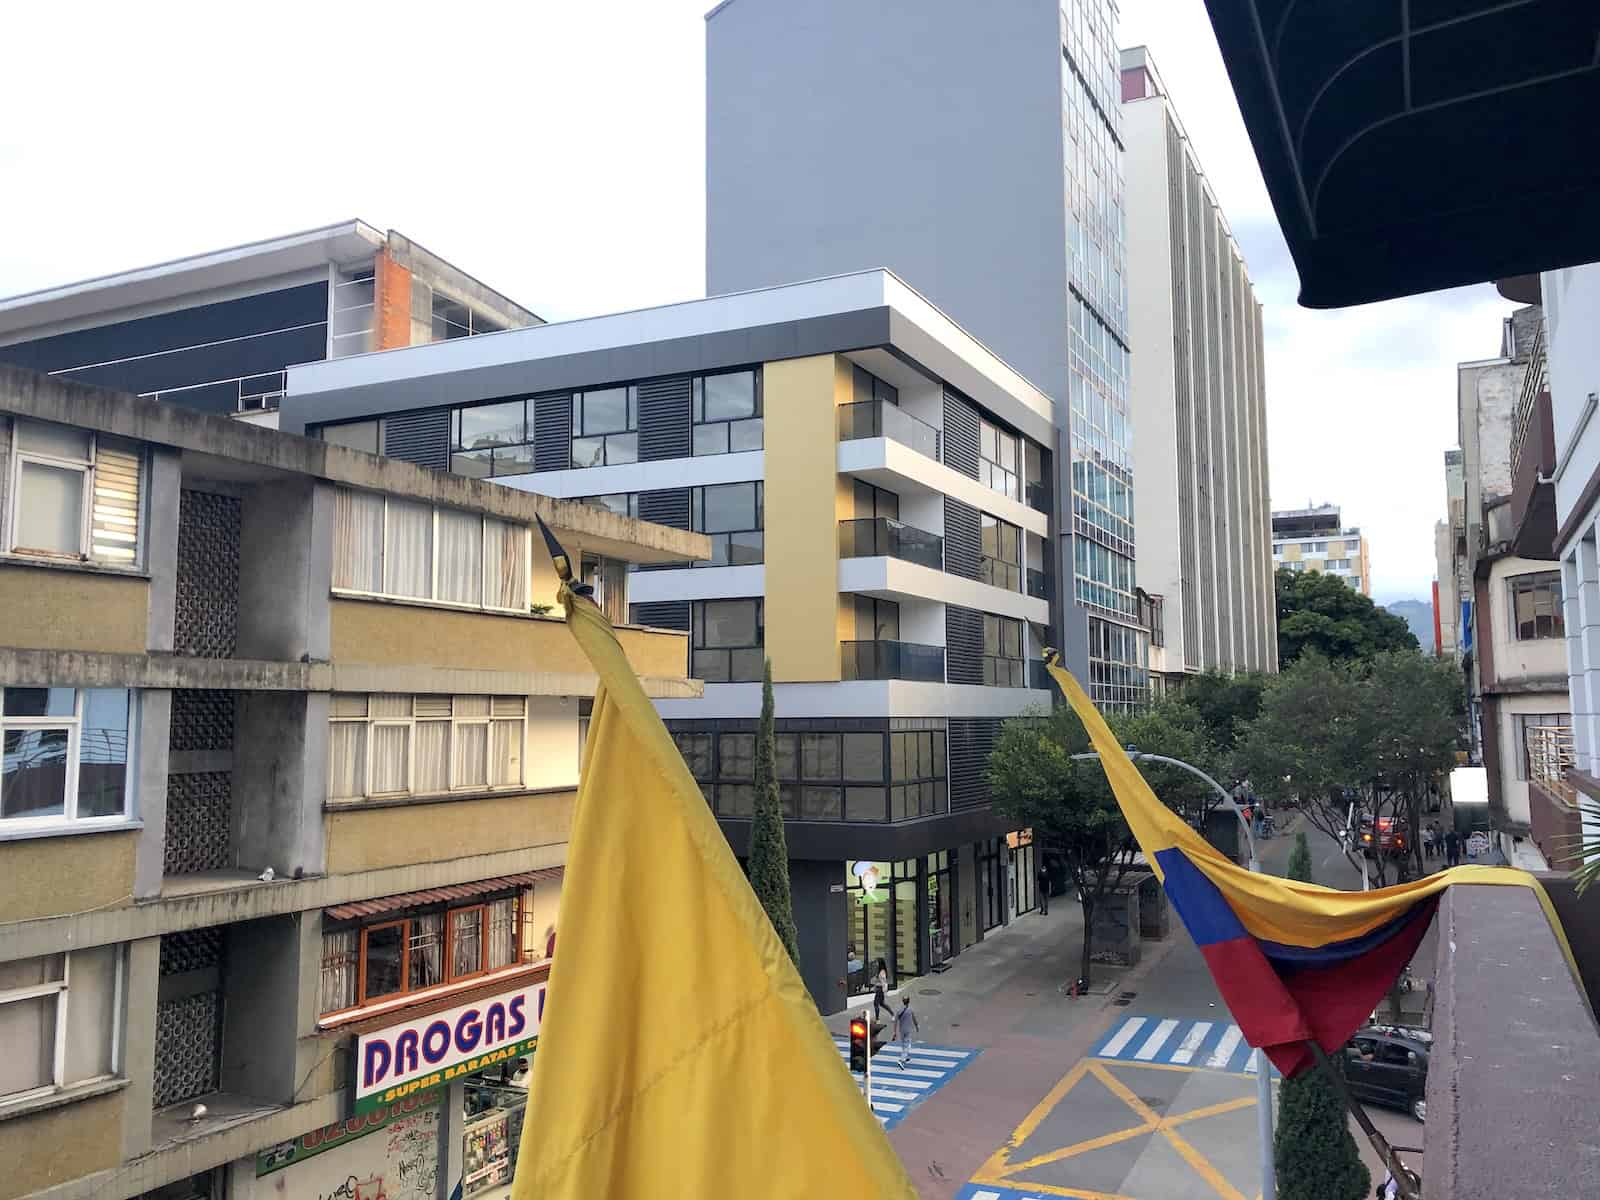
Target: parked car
(1386, 1066)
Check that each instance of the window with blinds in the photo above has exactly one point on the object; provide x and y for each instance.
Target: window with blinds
(73, 494)
(386, 546)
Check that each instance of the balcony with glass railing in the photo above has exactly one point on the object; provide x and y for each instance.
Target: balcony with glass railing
(883, 536)
(891, 660)
(879, 418)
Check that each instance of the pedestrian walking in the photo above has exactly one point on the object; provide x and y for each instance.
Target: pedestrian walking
(1044, 890)
(1452, 848)
(1427, 842)
(905, 1024)
(880, 991)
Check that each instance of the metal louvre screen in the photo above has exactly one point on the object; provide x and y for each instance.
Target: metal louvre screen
(552, 432)
(422, 438)
(971, 741)
(963, 539)
(960, 434)
(963, 644)
(663, 614)
(664, 419)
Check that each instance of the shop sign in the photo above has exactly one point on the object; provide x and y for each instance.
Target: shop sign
(1019, 838)
(430, 1051)
(331, 1137)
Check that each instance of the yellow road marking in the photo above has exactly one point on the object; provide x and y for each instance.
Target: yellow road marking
(998, 1170)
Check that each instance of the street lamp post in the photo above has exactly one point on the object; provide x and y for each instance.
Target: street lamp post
(1269, 1186)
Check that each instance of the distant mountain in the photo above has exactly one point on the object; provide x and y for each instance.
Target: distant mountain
(1419, 615)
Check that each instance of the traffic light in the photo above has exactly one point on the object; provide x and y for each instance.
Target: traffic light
(860, 1044)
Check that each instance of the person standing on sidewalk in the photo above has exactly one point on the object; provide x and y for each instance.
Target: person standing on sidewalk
(1044, 890)
(1452, 847)
(905, 1024)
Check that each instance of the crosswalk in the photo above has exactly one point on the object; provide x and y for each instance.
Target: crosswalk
(896, 1090)
(1212, 1045)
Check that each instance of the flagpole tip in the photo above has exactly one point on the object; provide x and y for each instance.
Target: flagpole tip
(1052, 656)
(558, 553)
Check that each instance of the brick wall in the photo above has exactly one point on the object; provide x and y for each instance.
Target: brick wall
(391, 318)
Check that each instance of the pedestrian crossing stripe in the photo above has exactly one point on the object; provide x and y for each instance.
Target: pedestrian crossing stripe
(1178, 1042)
(896, 1090)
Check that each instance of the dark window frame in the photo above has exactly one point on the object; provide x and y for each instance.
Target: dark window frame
(626, 436)
(698, 646)
(704, 433)
(996, 569)
(1001, 668)
(1543, 591)
(722, 543)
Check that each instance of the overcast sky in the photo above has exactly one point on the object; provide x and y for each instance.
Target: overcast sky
(556, 150)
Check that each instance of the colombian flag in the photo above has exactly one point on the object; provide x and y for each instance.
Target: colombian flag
(1294, 962)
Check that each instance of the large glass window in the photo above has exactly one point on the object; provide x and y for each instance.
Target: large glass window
(385, 546)
(727, 641)
(726, 411)
(424, 948)
(65, 760)
(605, 427)
(77, 494)
(732, 514)
(383, 745)
(492, 439)
(999, 460)
(1536, 606)
(825, 775)
(624, 504)
(1004, 651)
(1002, 554)
(58, 1017)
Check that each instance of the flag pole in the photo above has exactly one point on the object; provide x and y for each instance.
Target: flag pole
(1409, 1182)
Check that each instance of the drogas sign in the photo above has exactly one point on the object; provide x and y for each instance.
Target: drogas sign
(429, 1051)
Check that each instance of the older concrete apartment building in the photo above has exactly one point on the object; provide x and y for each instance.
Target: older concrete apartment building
(290, 750)
(870, 478)
(215, 331)
(1198, 392)
(1512, 639)
(975, 150)
(1316, 539)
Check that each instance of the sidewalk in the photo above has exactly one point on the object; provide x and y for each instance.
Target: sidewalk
(1003, 996)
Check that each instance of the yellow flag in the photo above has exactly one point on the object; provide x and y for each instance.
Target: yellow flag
(680, 1054)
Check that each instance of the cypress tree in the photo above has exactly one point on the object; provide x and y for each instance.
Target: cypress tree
(1313, 1154)
(769, 850)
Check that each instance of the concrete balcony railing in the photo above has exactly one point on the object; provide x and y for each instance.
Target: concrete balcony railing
(1514, 1073)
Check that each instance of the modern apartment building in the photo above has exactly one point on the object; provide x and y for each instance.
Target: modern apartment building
(1198, 391)
(214, 332)
(976, 151)
(1515, 657)
(874, 485)
(1317, 539)
(290, 751)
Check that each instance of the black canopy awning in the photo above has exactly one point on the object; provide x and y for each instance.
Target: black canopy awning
(1411, 145)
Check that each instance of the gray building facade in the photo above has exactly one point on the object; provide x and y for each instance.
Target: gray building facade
(976, 151)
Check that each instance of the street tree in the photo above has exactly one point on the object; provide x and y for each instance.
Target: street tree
(1036, 783)
(1309, 745)
(1313, 1154)
(1069, 804)
(1321, 612)
(1413, 710)
(769, 849)
(1225, 703)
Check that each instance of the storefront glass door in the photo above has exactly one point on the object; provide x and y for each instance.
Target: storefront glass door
(941, 909)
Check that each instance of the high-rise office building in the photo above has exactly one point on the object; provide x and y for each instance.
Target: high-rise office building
(1199, 403)
(976, 151)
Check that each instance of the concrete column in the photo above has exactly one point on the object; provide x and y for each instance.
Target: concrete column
(261, 1003)
(278, 573)
(161, 545)
(139, 1043)
(152, 738)
(279, 780)
(818, 890)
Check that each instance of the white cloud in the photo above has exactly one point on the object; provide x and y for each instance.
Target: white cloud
(557, 151)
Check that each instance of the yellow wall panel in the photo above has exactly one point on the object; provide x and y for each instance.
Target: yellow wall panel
(73, 610)
(43, 1149)
(50, 876)
(365, 840)
(803, 507)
